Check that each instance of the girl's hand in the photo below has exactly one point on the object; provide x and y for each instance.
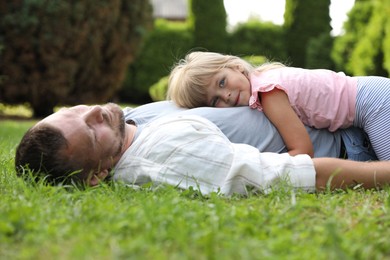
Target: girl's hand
(277, 108)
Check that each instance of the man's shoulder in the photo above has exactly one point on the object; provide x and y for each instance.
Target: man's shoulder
(148, 112)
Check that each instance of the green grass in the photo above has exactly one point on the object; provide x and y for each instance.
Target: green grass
(114, 221)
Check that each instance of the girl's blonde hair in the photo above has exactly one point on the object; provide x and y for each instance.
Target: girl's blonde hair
(189, 79)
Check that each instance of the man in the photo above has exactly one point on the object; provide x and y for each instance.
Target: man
(87, 142)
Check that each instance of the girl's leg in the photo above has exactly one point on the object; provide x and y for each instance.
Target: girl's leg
(357, 145)
(339, 173)
(373, 113)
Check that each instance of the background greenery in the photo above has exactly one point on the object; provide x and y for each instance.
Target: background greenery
(114, 51)
(67, 52)
(114, 221)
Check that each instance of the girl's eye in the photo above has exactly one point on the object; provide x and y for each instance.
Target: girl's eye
(214, 102)
(222, 83)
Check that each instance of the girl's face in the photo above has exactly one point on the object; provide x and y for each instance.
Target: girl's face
(228, 88)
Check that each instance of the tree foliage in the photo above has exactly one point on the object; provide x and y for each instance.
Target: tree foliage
(258, 38)
(358, 17)
(65, 52)
(208, 19)
(303, 21)
(318, 53)
(364, 49)
(168, 42)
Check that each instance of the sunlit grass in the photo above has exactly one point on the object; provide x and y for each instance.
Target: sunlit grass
(114, 221)
(15, 110)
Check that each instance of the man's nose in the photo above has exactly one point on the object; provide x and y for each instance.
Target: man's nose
(94, 115)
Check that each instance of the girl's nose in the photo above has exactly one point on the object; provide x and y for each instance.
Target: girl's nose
(224, 98)
(227, 96)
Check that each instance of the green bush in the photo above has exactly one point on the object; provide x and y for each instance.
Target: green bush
(303, 21)
(367, 57)
(158, 90)
(364, 48)
(168, 42)
(208, 21)
(67, 52)
(255, 60)
(258, 38)
(318, 53)
(354, 29)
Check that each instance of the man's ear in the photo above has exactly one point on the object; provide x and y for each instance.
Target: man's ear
(98, 177)
(240, 68)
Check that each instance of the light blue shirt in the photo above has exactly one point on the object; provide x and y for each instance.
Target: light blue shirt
(240, 125)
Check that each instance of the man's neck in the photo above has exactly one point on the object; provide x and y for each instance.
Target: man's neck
(130, 131)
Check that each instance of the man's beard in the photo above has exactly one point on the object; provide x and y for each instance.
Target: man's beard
(120, 128)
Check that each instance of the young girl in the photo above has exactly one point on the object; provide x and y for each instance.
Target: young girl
(288, 96)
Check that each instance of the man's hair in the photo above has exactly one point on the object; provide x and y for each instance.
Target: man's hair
(40, 152)
(189, 79)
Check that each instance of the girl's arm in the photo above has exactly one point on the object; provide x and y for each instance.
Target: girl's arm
(277, 108)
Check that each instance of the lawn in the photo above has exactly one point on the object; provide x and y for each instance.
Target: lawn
(114, 221)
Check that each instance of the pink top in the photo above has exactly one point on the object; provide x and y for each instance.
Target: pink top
(321, 98)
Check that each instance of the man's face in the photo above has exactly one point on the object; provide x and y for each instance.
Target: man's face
(95, 134)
